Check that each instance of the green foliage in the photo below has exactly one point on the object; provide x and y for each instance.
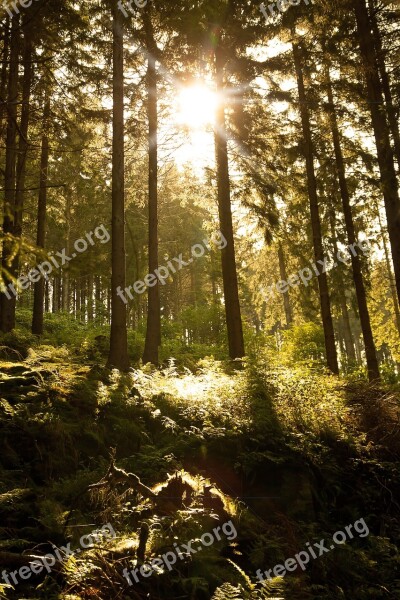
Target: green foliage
(303, 344)
(309, 453)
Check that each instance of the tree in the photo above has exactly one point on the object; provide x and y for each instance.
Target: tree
(370, 352)
(229, 272)
(118, 356)
(153, 329)
(330, 346)
(38, 300)
(7, 305)
(381, 132)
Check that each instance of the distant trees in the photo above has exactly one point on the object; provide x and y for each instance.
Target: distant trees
(305, 156)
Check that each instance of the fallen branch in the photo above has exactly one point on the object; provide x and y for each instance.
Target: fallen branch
(115, 475)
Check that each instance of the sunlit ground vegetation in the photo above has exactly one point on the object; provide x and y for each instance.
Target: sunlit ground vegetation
(288, 453)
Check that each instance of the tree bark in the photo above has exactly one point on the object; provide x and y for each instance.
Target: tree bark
(153, 329)
(390, 110)
(98, 300)
(381, 132)
(346, 327)
(23, 141)
(21, 163)
(65, 270)
(118, 356)
(77, 298)
(392, 283)
(4, 71)
(7, 302)
(370, 350)
(229, 272)
(326, 314)
(46, 297)
(90, 298)
(56, 285)
(38, 295)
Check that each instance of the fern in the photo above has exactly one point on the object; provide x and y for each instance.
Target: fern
(229, 592)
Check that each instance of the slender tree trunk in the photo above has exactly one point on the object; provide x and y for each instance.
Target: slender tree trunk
(98, 303)
(370, 351)
(153, 329)
(229, 272)
(193, 286)
(90, 298)
(4, 72)
(56, 305)
(77, 298)
(83, 299)
(23, 144)
(65, 270)
(381, 132)
(345, 319)
(346, 327)
(108, 305)
(38, 296)
(392, 283)
(46, 297)
(326, 314)
(7, 302)
(347, 335)
(358, 348)
(283, 274)
(118, 356)
(391, 112)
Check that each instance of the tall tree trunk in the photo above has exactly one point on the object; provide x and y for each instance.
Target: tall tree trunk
(326, 314)
(392, 283)
(98, 301)
(7, 302)
(391, 112)
(153, 329)
(65, 269)
(381, 133)
(56, 305)
(370, 350)
(23, 145)
(283, 274)
(77, 298)
(90, 298)
(46, 296)
(4, 71)
(38, 295)
(347, 335)
(346, 327)
(118, 356)
(229, 272)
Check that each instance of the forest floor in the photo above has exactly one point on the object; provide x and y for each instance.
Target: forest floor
(285, 456)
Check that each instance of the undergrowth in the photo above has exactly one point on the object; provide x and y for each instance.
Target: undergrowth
(288, 453)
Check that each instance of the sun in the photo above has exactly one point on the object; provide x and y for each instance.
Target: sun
(196, 106)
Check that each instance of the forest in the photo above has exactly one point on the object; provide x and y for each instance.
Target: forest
(200, 300)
